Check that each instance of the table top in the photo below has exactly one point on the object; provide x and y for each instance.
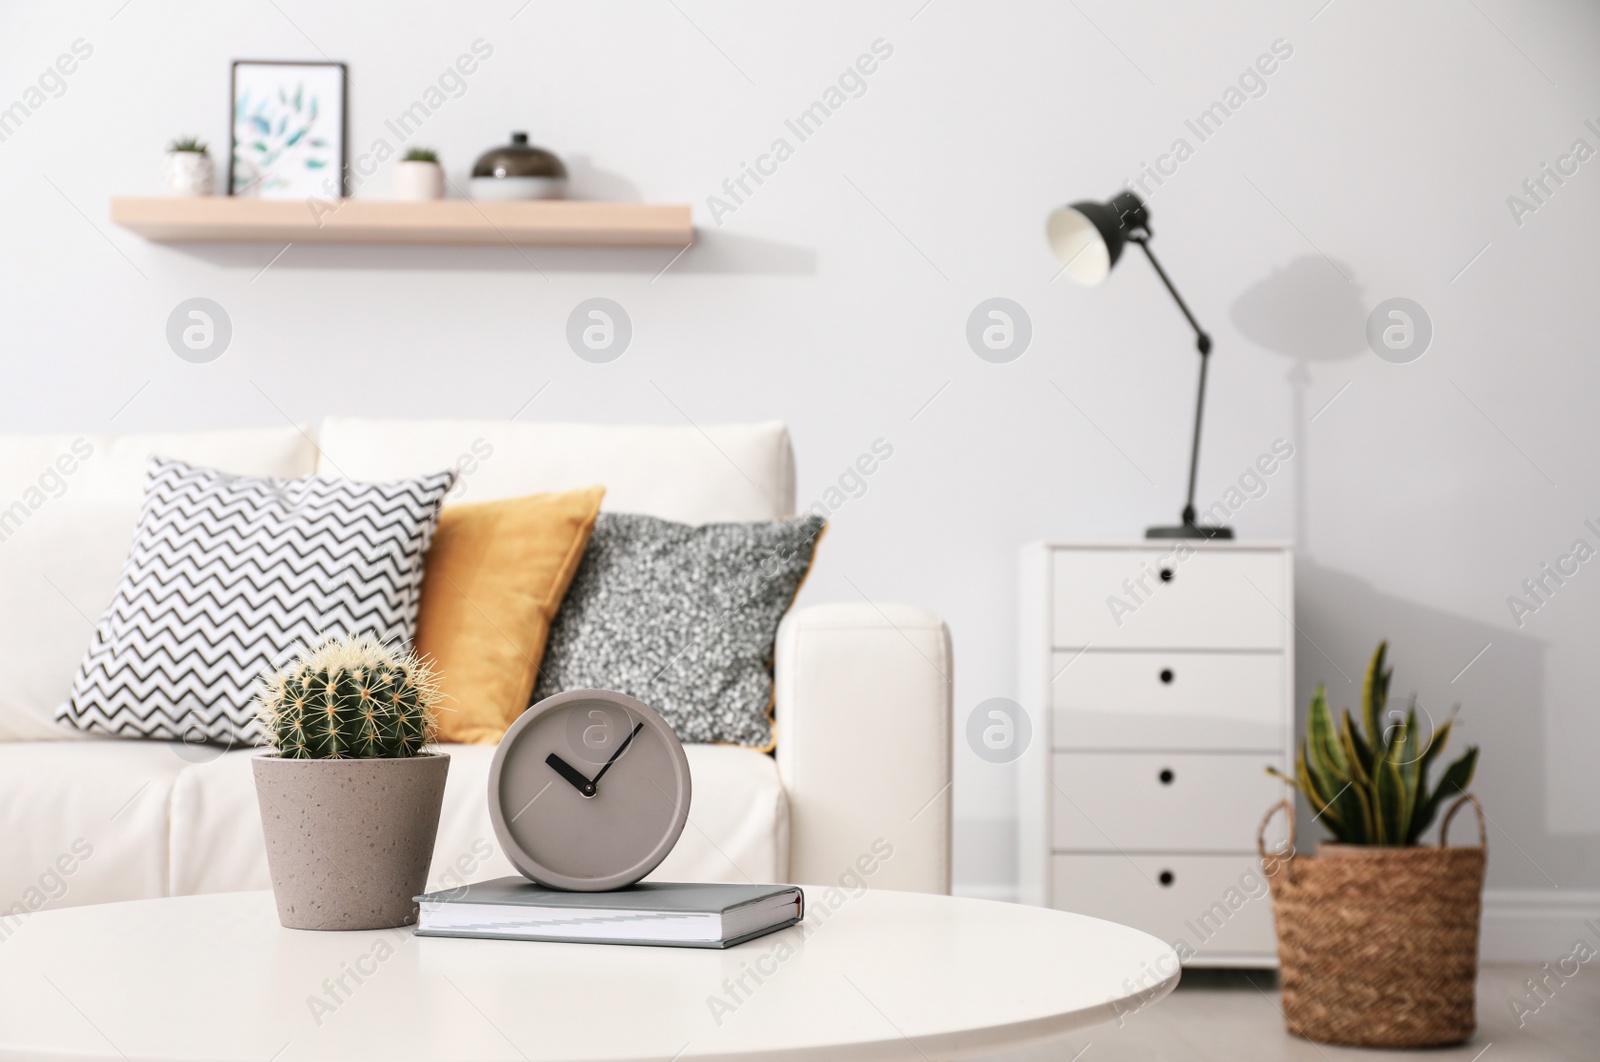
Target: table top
(874, 976)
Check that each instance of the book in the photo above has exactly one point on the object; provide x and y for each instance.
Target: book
(667, 914)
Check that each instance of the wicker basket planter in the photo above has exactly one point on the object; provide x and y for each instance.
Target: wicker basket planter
(1378, 946)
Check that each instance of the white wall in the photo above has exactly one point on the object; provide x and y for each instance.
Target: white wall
(1377, 163)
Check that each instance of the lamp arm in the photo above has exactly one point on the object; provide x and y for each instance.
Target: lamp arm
(1203, 345)
(1202, 340)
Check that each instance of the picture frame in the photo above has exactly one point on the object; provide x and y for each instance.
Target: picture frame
(288, 129)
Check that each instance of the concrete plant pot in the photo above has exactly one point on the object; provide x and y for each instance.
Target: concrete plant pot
(349, 841)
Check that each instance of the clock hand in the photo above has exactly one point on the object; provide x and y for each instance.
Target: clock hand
(620, 750)
(565, 770)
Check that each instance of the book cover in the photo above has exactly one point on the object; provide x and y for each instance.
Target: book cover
(675, 914)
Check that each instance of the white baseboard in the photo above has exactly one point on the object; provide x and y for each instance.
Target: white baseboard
(1519, 925)
(1537, 925)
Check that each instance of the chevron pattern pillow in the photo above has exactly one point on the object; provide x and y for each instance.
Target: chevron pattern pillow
(228, 576)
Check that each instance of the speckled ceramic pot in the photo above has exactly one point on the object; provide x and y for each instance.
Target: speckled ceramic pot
(188, 173)
(349, 841)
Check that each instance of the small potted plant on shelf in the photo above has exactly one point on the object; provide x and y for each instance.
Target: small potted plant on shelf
(1377, 933)
(418, 175)
(188, 169)
(351, 790)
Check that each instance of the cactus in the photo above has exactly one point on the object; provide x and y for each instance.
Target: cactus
(188, 143)
(420, 155)
(1372, 788)
(351, 698)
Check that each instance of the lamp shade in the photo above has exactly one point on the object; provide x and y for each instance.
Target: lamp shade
(1087, 238)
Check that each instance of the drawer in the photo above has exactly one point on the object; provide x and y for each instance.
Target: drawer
(1210, 599)
(1210, 906)
(1170, 700)
(1184, 802)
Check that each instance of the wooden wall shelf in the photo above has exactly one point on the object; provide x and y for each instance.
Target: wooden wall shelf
(557, 223)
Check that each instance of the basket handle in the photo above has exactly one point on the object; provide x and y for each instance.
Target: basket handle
(1287, 807)
(1444, 827)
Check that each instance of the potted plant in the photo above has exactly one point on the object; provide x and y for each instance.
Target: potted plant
(350, 792)
(1377, 933)
(188, 169)
(418, 175)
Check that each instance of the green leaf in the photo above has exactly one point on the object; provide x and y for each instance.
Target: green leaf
(1436, 743)
(1388, 792)
(1324, 753)
(1355, 750)
(1408, 753)
(1316, 791)
(1323, 805)
(1375, 695)
(1454, 783)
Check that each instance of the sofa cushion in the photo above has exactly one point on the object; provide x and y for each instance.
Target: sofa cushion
(497, 572)
(683, 618)
(68, 508)
(83, 822)
(678, 472)
(738, 824)
(232, 575)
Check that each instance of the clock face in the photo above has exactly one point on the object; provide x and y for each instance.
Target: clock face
(588, 791)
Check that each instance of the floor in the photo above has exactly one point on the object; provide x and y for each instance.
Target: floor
(1232, 1015)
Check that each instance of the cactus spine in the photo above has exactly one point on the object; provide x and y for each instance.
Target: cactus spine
(351, 698)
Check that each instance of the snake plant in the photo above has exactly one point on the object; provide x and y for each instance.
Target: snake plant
(1370, 783)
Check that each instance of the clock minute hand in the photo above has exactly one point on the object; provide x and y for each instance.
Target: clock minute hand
(620, 750)
(565, 770)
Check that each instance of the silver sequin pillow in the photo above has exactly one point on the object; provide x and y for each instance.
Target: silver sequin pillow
(683, 618)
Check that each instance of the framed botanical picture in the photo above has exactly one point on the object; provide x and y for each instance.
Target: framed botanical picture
(288, 124)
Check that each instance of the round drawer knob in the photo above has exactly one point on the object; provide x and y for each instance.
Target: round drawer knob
(1166, 674)
(1166, 575)
(1166, 776)
(1166, 878)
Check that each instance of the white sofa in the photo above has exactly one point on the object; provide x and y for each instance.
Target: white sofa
(862, 692)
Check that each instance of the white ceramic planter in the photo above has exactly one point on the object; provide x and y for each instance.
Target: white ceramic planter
(418, 180)
(189, 173)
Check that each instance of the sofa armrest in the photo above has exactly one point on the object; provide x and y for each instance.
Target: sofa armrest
(863, 729)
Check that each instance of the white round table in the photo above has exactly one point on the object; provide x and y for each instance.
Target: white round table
(884, 976)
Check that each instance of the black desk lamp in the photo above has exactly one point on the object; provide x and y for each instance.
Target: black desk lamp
(1087, 239)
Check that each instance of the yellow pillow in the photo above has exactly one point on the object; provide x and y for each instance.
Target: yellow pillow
(496, 573)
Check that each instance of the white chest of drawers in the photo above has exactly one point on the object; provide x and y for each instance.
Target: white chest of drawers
(1159, 677)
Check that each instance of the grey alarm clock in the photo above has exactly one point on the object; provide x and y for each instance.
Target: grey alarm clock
(588, 791)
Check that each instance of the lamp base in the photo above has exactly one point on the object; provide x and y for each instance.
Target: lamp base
(1189, 531)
